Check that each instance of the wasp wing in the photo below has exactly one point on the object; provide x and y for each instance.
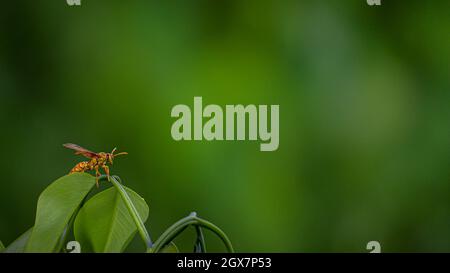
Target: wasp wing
(80, 150)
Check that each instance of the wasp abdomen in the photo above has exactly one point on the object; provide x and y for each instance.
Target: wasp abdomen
(80, 167)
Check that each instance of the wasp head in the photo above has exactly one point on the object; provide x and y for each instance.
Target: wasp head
(110, 156)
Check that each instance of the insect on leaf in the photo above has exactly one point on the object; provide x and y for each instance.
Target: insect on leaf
(56, 205)
(104, 223)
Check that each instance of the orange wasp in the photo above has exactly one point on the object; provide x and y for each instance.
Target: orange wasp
(97, 160)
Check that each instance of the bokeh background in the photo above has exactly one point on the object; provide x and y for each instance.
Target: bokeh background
(364, 95)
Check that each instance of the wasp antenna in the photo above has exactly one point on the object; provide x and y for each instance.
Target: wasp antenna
(115, 148)
(122, 153)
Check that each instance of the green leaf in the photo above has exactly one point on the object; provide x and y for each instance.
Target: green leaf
(56, 205)
(104, 223)
(1, 246)
(18, 246)
(170, 248)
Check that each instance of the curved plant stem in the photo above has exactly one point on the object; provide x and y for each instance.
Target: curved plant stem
(218, 232)
(200, 245)
(174, 230)
(132, 210)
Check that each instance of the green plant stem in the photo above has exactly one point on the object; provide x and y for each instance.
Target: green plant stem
(200, 243)
(182, 224)
(132, 210)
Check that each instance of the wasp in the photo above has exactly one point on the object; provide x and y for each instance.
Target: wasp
(97, 160)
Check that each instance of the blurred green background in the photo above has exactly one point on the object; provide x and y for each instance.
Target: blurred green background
(364, 95)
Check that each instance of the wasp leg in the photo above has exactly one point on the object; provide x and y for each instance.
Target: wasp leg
(97, 175)
(106, 169)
